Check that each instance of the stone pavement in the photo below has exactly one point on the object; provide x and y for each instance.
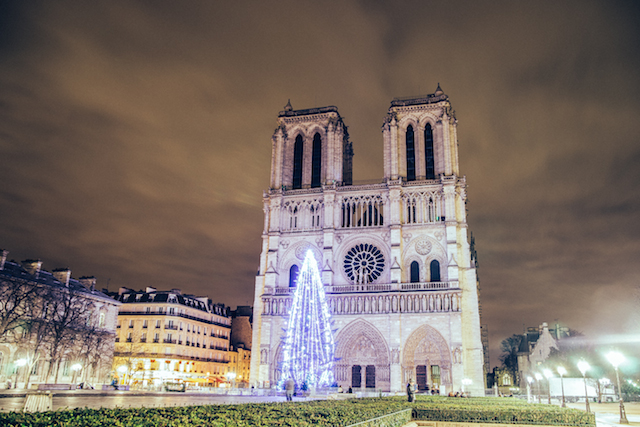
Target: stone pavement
(608, 414)
(13, 400)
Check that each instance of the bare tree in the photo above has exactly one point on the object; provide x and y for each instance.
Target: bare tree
(66, 315)
(16, 300)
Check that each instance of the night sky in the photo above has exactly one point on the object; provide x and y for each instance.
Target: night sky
(135, 138)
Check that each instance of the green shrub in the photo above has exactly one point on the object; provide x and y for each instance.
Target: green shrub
(311, 413)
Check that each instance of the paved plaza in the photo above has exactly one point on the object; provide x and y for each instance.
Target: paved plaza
(607, 414)
(14, 400)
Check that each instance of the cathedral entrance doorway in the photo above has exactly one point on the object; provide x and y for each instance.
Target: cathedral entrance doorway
(427, 359)
(362, 357)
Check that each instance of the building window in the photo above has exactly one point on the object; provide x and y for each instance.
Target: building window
(293, 276)
(147, 309)
(428, 151)
(411, 155)
(415, 272)
(131, 323)
(316, 161)
(297, 162)
(145, 324)
(435, 271)
(101, 320)
(157, 323)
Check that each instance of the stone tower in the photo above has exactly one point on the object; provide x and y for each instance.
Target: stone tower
(394, 256)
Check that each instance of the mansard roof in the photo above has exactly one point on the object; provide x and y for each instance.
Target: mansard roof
(14, 271)
(130, 296)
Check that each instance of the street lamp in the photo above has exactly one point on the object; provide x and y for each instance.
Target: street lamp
(529, 381)
(616, 359)
(538, 376)
(231, 376)
(548, 374)
(562, 372)
(466, 381)
(75, 368)
(123, 370)
(584, 366)
(19, 364)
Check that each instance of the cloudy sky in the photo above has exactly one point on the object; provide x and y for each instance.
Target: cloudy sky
(135, 137)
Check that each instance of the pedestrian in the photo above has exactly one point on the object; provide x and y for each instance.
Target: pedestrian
(339, 389)
(410, 391)
(350, 390)
(289, 386)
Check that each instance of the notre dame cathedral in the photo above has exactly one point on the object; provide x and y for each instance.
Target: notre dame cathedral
(394, 256)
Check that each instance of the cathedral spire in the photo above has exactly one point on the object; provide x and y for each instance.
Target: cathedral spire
(438, 90)
(288, 107)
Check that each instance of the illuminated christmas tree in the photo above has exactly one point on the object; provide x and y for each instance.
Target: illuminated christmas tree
(308, 352)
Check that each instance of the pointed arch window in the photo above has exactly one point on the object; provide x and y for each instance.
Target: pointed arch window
(428, 152)
(415, 272)
(293, 276)
(297, 162)
(434, 267)
(316, 161)
(411, 155)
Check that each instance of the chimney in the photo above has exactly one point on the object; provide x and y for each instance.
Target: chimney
(3, 258)
(62, 275)
(88, 282)
(32, 266)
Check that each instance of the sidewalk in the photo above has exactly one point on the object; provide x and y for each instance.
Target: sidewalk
(608, 414)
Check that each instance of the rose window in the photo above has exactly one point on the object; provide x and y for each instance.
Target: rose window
(363, 263)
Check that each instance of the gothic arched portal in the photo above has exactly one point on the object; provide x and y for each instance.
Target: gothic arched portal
(360, 347)
(427, 358)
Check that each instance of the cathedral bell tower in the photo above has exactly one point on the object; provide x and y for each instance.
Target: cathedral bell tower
(310, 148)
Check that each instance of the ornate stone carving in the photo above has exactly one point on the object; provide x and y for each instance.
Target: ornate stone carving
(284, 243)
(423, 246)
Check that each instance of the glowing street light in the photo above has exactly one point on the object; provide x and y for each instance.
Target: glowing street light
(231, 377)
(123, 370)
(616, 358)
(19, 364)
(562, 372)
(466, 381)
(538, 376)
(584, 366)
(548, 374)
(75, 368)
(529, 381)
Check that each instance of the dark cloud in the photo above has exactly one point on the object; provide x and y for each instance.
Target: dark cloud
(135, 137)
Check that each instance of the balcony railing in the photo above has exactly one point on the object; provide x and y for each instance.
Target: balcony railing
(374, 287)
(185, 316)
(172, 327)
(156, 340)
(129, 340)
(143, 340)
(166, 341)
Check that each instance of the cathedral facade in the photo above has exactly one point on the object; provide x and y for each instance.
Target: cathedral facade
(394, 256)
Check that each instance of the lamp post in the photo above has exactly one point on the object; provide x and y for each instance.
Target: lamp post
(466, 381)
(75, 368)
(562, 372)
(548, 374)
(123, 371)
(616, 359)
(231, 377)
(584, 366)
(538, 379)
(19, 364)
(529, 381)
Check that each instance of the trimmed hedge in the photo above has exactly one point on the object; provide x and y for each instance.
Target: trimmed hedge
(316, 413)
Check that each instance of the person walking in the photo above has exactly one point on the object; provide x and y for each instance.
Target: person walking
(289, 386)
(410, 391)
